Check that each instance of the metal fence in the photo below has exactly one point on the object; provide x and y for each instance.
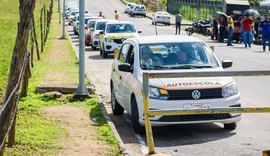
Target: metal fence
(148, 113)
(188, 8)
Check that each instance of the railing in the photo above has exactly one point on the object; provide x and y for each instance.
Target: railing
(167, 112)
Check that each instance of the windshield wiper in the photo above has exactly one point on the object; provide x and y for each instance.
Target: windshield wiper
(182, 67)
(189, 67)
(155, 67)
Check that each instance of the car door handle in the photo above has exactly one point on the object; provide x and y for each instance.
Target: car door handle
(120, 77)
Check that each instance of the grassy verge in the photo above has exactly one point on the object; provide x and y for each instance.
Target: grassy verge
(37, 134)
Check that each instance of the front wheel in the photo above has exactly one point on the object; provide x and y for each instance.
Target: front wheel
(117, 109)
(230, 126)
(135, 118)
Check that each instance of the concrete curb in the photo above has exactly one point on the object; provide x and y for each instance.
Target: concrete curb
(104, 112)
(110, 123)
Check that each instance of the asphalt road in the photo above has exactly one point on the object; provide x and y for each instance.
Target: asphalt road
(252, 135)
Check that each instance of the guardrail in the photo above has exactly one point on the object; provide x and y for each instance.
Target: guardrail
(167, 112)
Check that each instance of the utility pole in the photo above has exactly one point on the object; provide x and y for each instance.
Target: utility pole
(81, 90)
(64, 20)
(59, 11)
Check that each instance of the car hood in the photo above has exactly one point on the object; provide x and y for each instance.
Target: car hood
(121, 35)
(190, 83)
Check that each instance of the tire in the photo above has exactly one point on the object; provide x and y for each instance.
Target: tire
(152, 23)
(169, 24)
(135, 118)
(94, 47)
(230, 126)
(117, 109)
(104, 55)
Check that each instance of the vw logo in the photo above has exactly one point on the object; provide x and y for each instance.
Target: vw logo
(196, 94)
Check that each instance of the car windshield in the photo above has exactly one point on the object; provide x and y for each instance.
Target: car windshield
(184, 55)
(139, 8)
(100, 25)
(92, 24)
(86, 20)
(120, 28)
(162, 14)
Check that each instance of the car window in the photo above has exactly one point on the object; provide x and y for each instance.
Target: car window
(92, 24)
(123, 52)
(120, 28)
(100, 25)
(188, 55)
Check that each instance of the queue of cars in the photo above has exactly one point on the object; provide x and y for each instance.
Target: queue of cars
(135, 10)
(158, 54)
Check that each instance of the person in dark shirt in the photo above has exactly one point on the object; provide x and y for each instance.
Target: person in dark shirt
(222, 29)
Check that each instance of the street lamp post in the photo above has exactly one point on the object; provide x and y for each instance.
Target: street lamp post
(64, 19)
(81, 90)
(59, 11)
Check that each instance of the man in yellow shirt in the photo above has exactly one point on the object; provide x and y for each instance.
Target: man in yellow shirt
(117, 17)
(230, 29)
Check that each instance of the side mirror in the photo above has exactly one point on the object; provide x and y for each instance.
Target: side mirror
(227, 63)
(125, 67)
(139, 31)
(101, 32)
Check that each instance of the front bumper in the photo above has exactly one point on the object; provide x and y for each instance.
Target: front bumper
(96, 41)
(156, 104)
(111, 46)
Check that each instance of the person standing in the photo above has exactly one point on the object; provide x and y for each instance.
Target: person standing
(178, 20)
(247, 31)
(222, 28)
(116, 15)
(265, 25)
(100, 15)
(256, 28)
(230, 29)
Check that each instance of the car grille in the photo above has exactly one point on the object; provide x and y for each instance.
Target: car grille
(118, 40)
(201, 117)
(187, 94)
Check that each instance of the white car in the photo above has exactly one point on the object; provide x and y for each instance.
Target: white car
(72, 16)
(77, 21)
(161, 17)
(114, 34)
(138, 10)
(159, 54)
(71, 11)
(67, 11)
(95, 34)
(128, 7)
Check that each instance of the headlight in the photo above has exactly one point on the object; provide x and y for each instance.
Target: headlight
(108, 40)
(156, 93)
(229, 90)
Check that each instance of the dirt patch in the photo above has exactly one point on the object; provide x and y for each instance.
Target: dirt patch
(82, 132)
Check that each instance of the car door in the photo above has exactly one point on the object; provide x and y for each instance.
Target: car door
(128, 77)
(118, 75)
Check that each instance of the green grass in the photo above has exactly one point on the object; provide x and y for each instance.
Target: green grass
(104, 130)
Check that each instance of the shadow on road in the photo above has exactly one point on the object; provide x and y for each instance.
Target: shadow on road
(188, 134)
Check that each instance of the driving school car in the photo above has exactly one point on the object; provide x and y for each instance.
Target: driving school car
(114, 34)
(163, 54)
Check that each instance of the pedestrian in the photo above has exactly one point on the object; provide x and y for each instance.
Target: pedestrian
(100, 15)
(256, 28)
(215, 29)
(222, 29)
(265, 25)
(230, 29)
(247, 31)
(241, 29)
(116, 15)
(178, 20)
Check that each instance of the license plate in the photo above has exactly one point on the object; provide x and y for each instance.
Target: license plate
(196, 106)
